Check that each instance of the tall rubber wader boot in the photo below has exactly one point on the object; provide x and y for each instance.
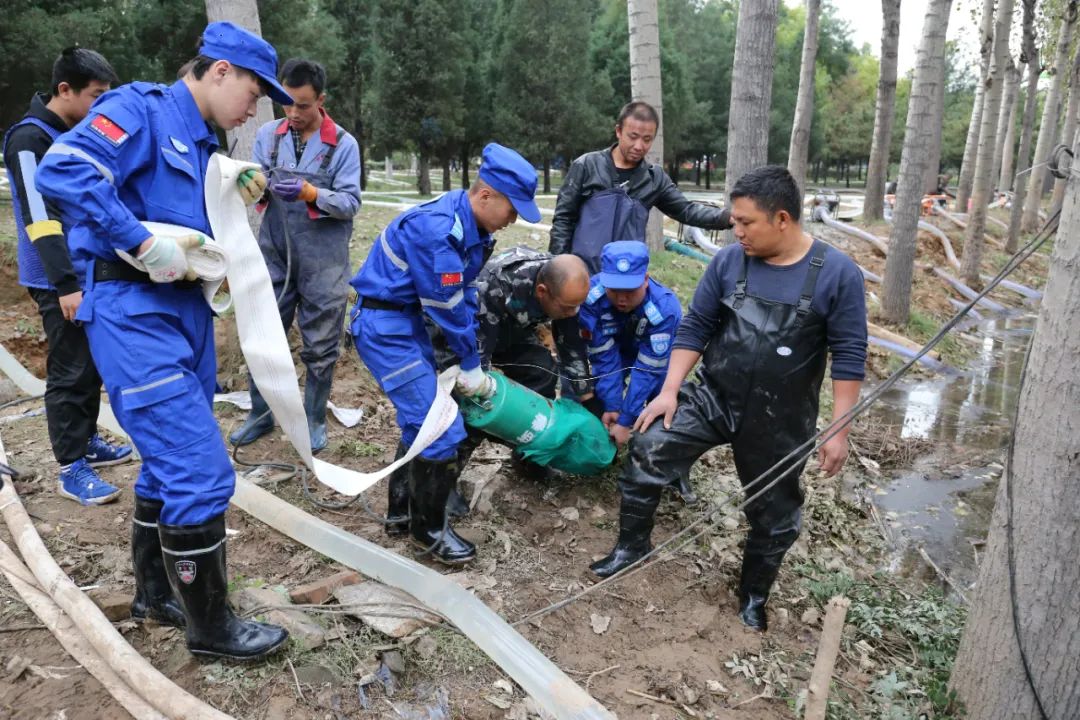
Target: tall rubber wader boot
(430, 482)
(260, 420)
(195, 562)
(637, 514)
(316, 395)
(153, 596)
(397, 497)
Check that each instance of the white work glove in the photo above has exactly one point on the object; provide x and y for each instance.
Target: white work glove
(475, 383)
(165, 258)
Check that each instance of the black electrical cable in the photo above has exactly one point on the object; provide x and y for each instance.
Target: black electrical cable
(800, 453)
(21, 400)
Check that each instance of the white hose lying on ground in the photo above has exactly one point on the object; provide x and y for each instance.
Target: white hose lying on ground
(821, 214)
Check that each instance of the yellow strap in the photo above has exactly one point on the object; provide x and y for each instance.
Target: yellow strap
(43, 228)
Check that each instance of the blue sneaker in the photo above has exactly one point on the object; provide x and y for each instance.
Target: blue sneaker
(81, 483)
(100, 453)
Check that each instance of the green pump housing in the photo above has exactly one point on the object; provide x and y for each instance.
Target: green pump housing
(560, 434)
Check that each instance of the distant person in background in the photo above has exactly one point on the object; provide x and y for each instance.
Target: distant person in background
(72, 383)
(314, 169)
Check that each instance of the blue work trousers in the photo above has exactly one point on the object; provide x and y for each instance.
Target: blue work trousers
(396, 349)
(153, 345)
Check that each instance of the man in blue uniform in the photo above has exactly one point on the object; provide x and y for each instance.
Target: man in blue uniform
(141, 155)
(629, 322)
(314, 166)
(72, 384)
(764, 319)
(425, 262)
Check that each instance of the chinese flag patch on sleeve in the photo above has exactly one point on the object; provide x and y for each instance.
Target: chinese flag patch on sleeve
(450, 279)
(109, 130)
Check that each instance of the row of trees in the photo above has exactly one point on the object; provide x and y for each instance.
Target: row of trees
(439, 78)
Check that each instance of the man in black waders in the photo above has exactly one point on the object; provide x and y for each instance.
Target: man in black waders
(763, 316)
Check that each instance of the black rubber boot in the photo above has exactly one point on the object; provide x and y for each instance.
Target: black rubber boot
(397, 497)
(195, 562)
(316, 395)
(636, 520)
(260, 420)
(685, 492)
(430, 483)
(529, 470)
(456, 504)
(153, 597)
(758, 575)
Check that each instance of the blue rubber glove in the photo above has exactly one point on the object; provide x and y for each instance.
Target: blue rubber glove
(287, 190)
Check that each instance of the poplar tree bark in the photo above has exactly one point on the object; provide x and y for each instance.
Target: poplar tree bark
(1067, 135)
(984, 163)
(646, 84)
(1003, 153)
(804, 104)
(877, 170)
(1048, 129)
(971, 146)
(1024, 610)
(751, 88)
(1029, 54)
(929, 75)
(933, 167)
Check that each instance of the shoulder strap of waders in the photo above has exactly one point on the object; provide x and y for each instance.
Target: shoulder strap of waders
(740, 284)
(817, 260)
(329, 155)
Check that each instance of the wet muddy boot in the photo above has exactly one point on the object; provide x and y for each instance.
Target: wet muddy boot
(430, 482)
(636, 520)
(758, 575)
(194, 558)
(260, 420)
(397, 498)
(685, 492)
(316, 395)
(456, 504)
(153, 597)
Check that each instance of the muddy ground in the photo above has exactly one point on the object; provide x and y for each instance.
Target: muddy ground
(669, 632)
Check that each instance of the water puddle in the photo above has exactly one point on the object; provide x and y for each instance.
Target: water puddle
(943, 503)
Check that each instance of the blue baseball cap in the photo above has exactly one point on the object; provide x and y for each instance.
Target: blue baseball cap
(624, 264)
(513, 176)
(225, 41)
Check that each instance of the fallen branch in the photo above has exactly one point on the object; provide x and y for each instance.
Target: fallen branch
(943, 575)
(654, 698)
(588, 680)
(820, 678)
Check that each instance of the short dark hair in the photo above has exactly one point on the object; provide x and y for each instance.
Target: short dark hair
(78, 67)
(772, 188)
(639, 110)
(297, 73)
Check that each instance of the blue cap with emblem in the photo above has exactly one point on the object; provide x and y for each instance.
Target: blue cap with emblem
(623, 264)
(225, 41)
(513, 176)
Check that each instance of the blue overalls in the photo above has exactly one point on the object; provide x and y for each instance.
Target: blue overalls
(639, 340)
(317, 257)
(141, 154)
(426, 260)
(31, 271)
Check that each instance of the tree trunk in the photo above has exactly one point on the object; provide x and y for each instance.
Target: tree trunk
(1024, 612)
(1048, 129)
(446, 181)
(929, 74)
(423, 175)
(465, 182)
(971, 146)
(933, 167)
(1005, 118)
(1030, 55)
(984, 162)
(388, 168)
(1008, 141)
(708, 171)
(751, 89)
(877, 171)
(645, 84)
(804, 104)
(547, 175)
(1070, 127)
(697, 172)
(241, 141)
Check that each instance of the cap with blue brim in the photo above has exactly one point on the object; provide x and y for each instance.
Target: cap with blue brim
(512, 175)
(624, 265)
(225, 41)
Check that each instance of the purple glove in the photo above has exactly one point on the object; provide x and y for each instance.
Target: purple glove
(287, 189)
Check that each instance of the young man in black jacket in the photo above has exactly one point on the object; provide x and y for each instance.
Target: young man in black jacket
(72, 386)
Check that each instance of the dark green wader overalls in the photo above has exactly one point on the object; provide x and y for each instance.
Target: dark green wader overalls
(758, 390)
